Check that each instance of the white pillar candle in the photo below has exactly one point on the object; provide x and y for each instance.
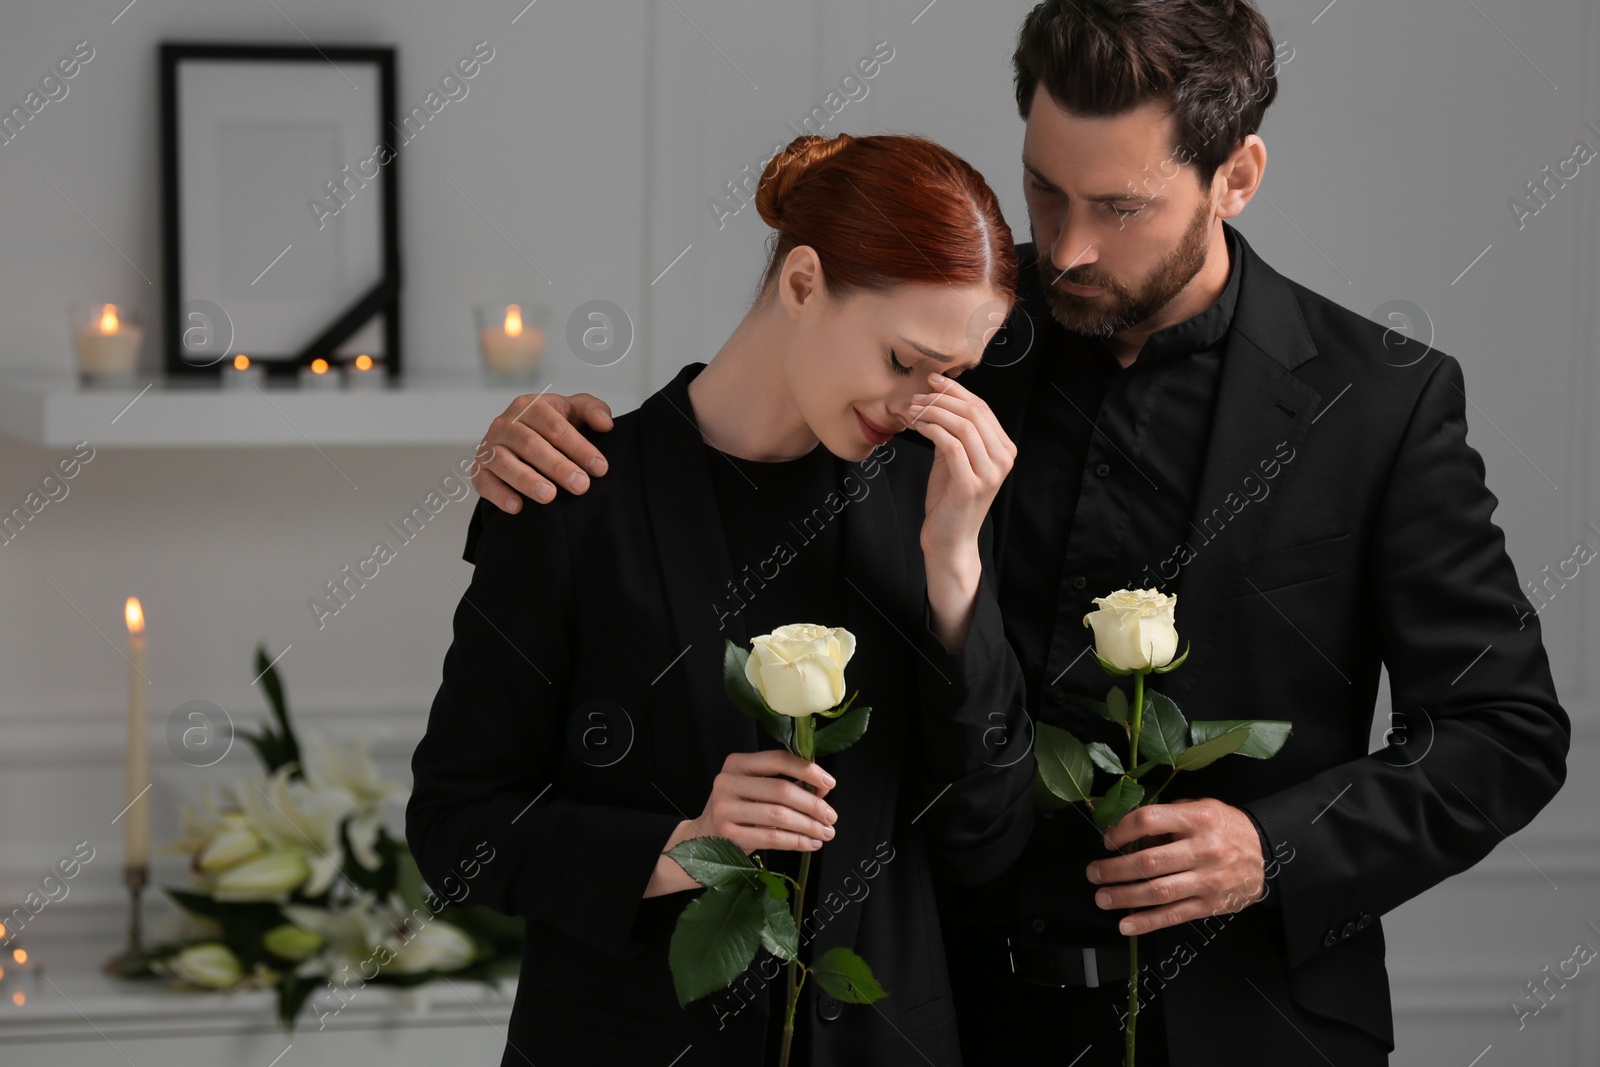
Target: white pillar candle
(136, 819)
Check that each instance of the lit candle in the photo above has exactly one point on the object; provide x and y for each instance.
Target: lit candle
(319, 375)
(136, 819)
(363, 372)
(241, 373)
(108, 343)
(511, 347)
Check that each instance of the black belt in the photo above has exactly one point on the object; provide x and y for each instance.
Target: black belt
(1052, 964)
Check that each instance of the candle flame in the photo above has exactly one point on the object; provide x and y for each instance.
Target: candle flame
(20, 955)
(319, 366)
(108, 319)
(135, 616)
(241, 361)
(363, 363)
(513, 321)
(19, 998)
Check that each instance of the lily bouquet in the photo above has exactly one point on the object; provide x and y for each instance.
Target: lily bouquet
(296, 884)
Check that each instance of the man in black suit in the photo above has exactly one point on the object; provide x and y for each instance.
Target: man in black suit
(1189, 420)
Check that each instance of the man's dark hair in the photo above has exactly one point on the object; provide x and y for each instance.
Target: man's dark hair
(1213, 61)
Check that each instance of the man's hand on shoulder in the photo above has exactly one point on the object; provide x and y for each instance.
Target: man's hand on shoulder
(535, 446)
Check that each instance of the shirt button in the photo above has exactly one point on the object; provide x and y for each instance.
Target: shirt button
(1080, 582)
(1330, 939)
(1103, 470)
(1058, 695)
(1361, 923)
(1349, 930)
(828, 1008)
(1038, 926)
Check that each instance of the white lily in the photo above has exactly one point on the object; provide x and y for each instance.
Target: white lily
(329, 763)
(297, 815)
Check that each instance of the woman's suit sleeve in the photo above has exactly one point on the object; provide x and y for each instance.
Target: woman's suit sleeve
(485, 768)
(975, 741)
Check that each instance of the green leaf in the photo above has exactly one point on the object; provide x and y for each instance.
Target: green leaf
(1043, 798)
(1117, 706)
(834, 713)
(195, 903)
(747, 700)
(777, 888)
(292, 994)
(1123, 796)
(714, 862)
(715, 939)
(1208, 752)
(842, 734)
(281, 747)
(778, 934)
(1175, 664)
(1266, 735)
(1063, 762)
(847, 977)
(1107, 665)
(1095, 706)
(1163, 733)
(1104, 757)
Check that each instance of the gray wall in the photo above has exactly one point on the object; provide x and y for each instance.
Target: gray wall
(593, 143)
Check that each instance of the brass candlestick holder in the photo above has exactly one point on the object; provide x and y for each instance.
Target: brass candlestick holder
(132, 960)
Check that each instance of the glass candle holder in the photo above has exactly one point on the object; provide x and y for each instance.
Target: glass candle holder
(240, 373)
(511, 338)
(319, 375)
(106, 339)
(363, 373)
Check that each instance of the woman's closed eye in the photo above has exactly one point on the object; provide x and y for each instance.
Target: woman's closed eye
(899, 368)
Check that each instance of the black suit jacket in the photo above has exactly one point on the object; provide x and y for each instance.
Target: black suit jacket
(1342, 524)
(582, 716)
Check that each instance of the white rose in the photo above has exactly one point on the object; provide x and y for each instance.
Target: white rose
(211, 965)
(1134, 629)
(799, 669)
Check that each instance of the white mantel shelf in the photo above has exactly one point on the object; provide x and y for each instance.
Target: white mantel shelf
(56, 1010)
(55, 411)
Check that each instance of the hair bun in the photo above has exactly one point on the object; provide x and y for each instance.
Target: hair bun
(785, 170)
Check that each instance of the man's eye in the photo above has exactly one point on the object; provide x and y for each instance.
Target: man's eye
(899, 368)
(1124, 212)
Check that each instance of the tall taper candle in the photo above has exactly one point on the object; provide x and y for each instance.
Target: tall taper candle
(136, 820)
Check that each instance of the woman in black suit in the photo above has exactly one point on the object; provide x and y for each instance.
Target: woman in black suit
(582, 728)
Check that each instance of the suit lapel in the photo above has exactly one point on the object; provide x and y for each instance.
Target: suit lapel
(1260, 407)
(695, 568)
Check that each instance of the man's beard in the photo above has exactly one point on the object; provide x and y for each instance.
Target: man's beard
(1117, 307)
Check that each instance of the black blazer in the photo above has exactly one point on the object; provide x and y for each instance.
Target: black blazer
(582, 716)
(1342, 524)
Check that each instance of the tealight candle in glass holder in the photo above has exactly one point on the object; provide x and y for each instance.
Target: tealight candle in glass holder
(319, 375)
(512, 343)
(363, 373)
(240, 373)
(106, 339)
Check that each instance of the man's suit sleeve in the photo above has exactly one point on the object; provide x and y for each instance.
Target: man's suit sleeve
(1467, 668)
(485, 820)
(974, 739)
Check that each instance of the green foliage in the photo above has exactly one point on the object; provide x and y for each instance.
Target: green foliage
(843, 733)
(714, 941)
(714, 862)
(1064, 762)
(1266, 735)
(847, 977)
(1123, 796)
(747, 700)
(280, 747)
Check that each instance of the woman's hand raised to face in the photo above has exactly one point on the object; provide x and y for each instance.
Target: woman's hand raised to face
(538, 448)
(972, 456)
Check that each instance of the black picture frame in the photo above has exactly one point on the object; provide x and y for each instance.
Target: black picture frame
(189, 316)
